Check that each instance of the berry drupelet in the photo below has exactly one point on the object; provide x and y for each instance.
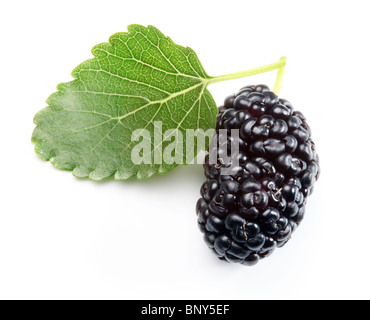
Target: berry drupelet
(248, 213)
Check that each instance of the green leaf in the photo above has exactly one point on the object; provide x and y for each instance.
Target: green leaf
(136, 79)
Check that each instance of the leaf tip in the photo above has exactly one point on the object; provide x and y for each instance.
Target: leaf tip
(135, 27)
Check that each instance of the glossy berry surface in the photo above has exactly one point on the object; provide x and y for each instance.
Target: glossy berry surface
(253, 209)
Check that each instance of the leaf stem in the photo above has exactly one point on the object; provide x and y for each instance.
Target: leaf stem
(280, 65)
(279, 77)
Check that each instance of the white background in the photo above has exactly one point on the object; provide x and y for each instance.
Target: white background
(64, 238)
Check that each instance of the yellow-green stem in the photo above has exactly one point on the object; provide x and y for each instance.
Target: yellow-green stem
(279, 78)
(280, 66)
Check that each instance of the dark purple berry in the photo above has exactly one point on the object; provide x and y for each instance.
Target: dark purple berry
(255, 208)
